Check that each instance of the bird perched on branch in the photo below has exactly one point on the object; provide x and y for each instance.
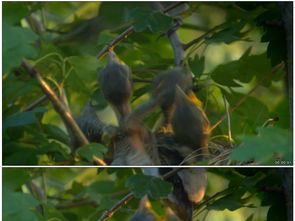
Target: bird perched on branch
(164, 90)
(116, 85)
(190, 124)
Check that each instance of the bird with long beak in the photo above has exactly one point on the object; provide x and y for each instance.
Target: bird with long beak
(116, 85)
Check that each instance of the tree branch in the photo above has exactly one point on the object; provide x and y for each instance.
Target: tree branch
(105, 50)
(195, 41)
(268, 75)
(128, 32)
(174, 39)
(58, 105)
(35, 103)
(109, 213)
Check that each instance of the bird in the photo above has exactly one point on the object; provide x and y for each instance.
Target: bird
(164, 90)
(144, 211)
(90, 125)
(189, 122)
(116, 85)
(134, 143)
(189, 187)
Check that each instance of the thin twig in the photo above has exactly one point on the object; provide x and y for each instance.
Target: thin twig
(58, 105)
(109, 213)
(142, 81)
(76, 204)
(216, 195)
(228, 121)
(268, 75)
(36, 103)
(197, 40)
(128, 32)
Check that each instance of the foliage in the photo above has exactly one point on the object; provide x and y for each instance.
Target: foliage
(85, 193)
(63, 38)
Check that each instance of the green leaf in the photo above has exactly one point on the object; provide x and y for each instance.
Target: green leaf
(14, 178)
(21, 215)
(16, 202)
(102, 187)
(231, 202)
(16, 45)
(76, 188)
(153, 186)
(54, 132)
(197, 65)
(242, 70)
(144, 18)
(140, 18)
(119, 12)
(85, 67)
(105, 37)
(229, 34)
(261, 148)
(274, 34)
(22, 154)
(22, 118)
(90, 150)
(106, 202)
(159, 22)
(13, 12)
(15, 88)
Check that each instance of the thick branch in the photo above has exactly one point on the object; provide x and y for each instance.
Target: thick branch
(58, 105)
(109, 213)
(267, 76)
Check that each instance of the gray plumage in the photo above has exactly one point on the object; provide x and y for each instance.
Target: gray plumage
(189, 187)
(116, 85)
(134, 145)
(90, 125)
(190, 124)
(164, 89)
